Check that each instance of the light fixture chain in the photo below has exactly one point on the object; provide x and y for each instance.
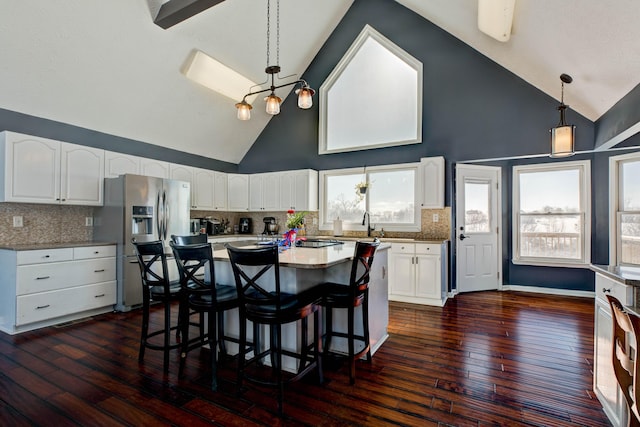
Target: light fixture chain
(268, 29)
(277, 32)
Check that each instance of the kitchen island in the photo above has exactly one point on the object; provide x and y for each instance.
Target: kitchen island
(303, 268)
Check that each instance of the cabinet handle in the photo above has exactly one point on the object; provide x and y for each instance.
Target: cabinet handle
(43, 277)
(98, 271)
(96, 252)
(606, 291)
(43, 306)
(384, 272)
(47, 256)
(99, 296)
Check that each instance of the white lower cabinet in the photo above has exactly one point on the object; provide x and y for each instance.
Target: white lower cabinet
(605, 384)
(418, 273)
(49, 286)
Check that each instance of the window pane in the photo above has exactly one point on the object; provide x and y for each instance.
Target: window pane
(630, 238)
(630, 191)
(551, 236)
(476, 205)
(391, 196)
(550, 191)
(342, 200)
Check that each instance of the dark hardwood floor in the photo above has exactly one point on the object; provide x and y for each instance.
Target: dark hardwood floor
(488, 358)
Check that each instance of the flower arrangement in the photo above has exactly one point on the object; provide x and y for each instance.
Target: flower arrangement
(295, 219)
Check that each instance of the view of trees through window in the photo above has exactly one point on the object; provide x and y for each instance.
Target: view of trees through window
(550, 215)
(629, 218)
(389, 198)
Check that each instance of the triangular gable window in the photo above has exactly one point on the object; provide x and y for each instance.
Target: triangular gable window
(372, 99)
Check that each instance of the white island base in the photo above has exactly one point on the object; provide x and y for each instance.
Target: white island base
(303, 268)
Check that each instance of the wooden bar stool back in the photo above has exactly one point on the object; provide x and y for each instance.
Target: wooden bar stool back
(156, 286)
(201, 294)
(625, 367)
(257, 276)
(349, 296)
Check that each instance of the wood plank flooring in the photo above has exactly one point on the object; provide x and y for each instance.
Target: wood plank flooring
(486, 359)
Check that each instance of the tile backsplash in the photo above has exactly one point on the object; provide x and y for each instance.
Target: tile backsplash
(44, 223)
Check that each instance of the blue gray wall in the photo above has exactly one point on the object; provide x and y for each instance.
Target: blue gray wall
(31, 125)
(473, 109)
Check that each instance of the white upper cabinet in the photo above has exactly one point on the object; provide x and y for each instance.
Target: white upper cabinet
(220, 191)
(183, 173)
(41, 170)
(238, 192)
(116, 164)
(432, 170)
(299, 190)
(157, 168)
(202, 188)
(263, 192)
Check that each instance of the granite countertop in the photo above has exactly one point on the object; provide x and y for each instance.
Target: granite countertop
(382, 239)
(307, 258)
(625, 275)
(62, 245)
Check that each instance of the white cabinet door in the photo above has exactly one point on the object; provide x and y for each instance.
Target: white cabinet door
(202, 189)
(287, 187)
(299, 190)
(183, 173)
(264, 190)
(432, 182)
(402, 275)
(256, 186)
(428, 282)
(81, 175)
(157, 168)
(220, 191)
(116, 164)
(238, 192)
(31, 169)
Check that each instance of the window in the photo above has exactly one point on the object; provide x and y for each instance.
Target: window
(626, 205)
(390, 197)
(551, 216)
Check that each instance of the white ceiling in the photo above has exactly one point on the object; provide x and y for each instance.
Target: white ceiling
(105, 66)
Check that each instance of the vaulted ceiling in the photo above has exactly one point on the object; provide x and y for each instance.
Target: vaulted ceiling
(104, 65)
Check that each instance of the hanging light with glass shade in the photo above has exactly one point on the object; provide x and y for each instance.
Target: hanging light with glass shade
(273, 101)
(563, 136)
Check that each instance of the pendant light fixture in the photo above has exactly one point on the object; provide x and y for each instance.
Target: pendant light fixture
(273, 101)
(563, 136)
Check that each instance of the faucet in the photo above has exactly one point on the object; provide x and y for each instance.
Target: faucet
(367, 219)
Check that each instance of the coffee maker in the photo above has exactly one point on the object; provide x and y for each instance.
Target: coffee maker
(245, 226)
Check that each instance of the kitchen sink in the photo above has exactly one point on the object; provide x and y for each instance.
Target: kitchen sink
(317, 243)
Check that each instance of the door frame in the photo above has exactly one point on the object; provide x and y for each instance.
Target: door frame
(498, 216)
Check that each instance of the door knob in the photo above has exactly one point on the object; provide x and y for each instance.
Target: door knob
(462, 236)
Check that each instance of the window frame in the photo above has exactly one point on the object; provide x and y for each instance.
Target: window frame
(584, 169)
(615, 211)
(327, 225)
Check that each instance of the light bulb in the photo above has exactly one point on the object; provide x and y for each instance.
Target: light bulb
(273, 104)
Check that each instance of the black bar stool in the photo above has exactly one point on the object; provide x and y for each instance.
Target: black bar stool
(257, 275)
(349, 296)
(156, 287)
(201, 294)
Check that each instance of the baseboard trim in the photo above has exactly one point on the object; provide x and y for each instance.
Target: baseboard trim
(552, 291)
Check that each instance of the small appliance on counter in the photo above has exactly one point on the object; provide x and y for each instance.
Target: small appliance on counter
(270, 225)
(244, 226)
(214, 227)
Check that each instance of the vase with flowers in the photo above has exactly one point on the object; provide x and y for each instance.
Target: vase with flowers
(295, 221)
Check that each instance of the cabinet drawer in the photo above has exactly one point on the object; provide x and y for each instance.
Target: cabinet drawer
(48, 277)
(606, 286)
(428, 249)
(403, 248)
(87, 252)
(48, 305)
(44, 256)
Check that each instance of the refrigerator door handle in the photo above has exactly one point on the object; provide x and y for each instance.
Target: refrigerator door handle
(159, 216)
(165, 203)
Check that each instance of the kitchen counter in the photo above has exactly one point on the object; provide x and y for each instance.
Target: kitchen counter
(304, 258)
(626, 275)
(38, 246)
(382, 239)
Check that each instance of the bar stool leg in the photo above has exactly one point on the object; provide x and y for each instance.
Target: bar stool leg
(351, 343)
(365, 324)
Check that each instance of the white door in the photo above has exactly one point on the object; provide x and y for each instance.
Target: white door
(478, 214)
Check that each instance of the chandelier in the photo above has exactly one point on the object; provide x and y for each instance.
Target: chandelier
(273, 101)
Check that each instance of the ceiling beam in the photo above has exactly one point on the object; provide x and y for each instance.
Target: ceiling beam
(176, 11)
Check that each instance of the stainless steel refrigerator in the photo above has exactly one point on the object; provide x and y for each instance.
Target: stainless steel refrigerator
(144, 208)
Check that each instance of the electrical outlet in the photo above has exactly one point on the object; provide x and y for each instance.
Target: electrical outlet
(315, 221)
(17, 221)
(435, 217)
(88, 221)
